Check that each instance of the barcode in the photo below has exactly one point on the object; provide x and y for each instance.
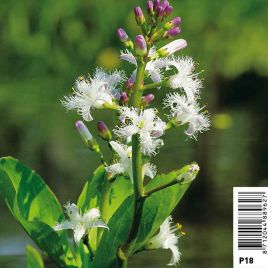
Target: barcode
(250, 220)
(250, 225)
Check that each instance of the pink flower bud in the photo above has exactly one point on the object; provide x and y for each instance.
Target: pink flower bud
(122, 35)
(146, 100)
(150, 7)
(175, 22)
(83, 131)
(172, 32)
(129, 84)
(90, 142)
(168, 10)
(140, 45)
(157, 3)
(140, 19)
(123, 98)
(104, 131)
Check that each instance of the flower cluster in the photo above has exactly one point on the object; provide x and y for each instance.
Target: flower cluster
(138, 122)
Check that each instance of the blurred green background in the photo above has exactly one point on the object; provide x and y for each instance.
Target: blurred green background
(45, 45)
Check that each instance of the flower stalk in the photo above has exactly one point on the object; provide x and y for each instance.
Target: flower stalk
(137, 167)
(187, 176)
(155, 85)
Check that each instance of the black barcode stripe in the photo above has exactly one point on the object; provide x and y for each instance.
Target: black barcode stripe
(250, 220)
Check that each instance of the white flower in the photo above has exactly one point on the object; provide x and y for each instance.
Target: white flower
(199, 123)
(94, 92)
(153, 67)
(80, 223)
(183, 112)
(185, 77)
(166, 239)
(145, 123)
(124, 164)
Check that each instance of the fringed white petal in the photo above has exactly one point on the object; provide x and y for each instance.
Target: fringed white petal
(63, 226)
(97, 224)
(149, 170)
(115, 169)
(79, 232)
(128, 56)
(176, 255)
(91, 215)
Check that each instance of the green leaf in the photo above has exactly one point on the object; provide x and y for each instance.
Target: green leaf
(106, 195)
(116, 194)
(91, 193)
(34, 258)
(82, 255)
(36, 208)
(157, 208)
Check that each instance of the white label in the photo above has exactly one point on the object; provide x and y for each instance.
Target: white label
(250, 227)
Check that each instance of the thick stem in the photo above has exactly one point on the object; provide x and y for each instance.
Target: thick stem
(137, 94)
(138, 192)
(124, 264)
(136, 165)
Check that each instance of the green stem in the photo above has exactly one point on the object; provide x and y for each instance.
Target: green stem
(102, 159)
(138, 192)
(160, 187)
(137, 93)
(155, 85)
(90, 249)
(137, 167)
(124, 264)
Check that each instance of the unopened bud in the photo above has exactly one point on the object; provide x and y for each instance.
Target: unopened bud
(140, 19)
(146, 100)
(159, 11)
(123, 37)
(150, 7)
(83, 131)
(175, 22)
(130, 84)
(157, 3)
(123, 98)
(168, 10)
(86, 136)
(162, 9)
(172, 47)
(172, 32)
(140, 45)
(104, 131)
